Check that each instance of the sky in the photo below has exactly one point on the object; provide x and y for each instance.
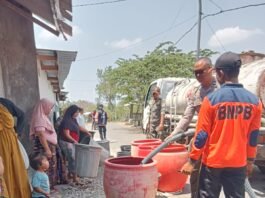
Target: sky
(104, 33)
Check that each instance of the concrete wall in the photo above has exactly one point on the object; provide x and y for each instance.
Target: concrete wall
(2, 91)
(45, 87)
(18, 60)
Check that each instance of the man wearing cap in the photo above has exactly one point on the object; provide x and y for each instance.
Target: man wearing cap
(203, 73)
(226, 133)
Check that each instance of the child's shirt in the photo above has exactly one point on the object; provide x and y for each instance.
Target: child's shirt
(40, 180)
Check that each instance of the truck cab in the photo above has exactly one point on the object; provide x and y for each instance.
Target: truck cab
(165, 85)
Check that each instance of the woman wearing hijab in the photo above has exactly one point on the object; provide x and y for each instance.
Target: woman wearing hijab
(14, 182)
(69, 134)
(44, 138)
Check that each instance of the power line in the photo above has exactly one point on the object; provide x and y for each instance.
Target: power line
(178, 13)
(233, 9)
(140, 42)
(216, 37)
(214, 14)
(169, 29)
(99, 3)
(186, 33)
(216, 5)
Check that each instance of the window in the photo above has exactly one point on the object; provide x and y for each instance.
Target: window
(149, 94)
(166, 87)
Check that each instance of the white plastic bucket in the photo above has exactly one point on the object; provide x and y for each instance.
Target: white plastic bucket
(104, 144)
(87, 160)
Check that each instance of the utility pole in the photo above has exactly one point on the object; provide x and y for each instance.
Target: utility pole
(199, 30)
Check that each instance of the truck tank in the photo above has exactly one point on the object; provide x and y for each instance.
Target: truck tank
(252, 76)
(176, 100)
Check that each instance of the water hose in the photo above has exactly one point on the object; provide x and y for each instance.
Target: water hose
(176, 137)
(249, 189)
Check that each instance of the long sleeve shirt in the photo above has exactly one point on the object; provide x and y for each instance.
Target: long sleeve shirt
(15, 112)
(227, 128)
(194, 100)
(157, 109)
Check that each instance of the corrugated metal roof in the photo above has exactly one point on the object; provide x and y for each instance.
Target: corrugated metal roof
(57, 65)
(64, 60)
(53, 15)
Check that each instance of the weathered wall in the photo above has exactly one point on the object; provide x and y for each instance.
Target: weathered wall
(2, 91)
(18, 60)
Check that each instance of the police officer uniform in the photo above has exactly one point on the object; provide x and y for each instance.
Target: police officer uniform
(157, 108)
(195, 98)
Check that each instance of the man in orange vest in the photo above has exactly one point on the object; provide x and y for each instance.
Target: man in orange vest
(226, 133)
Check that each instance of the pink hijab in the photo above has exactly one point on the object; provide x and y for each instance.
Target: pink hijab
(40, 118)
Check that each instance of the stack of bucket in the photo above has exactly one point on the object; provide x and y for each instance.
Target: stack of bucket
(125, 151)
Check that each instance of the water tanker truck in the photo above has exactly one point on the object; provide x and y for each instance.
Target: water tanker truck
(174, 93)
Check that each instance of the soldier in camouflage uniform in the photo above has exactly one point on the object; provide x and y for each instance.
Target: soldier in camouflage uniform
(156, 118)
(203, 73)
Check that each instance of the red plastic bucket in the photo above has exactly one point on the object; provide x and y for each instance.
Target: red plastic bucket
(125, 177)
(136, 143)
(169, 161)
(174, 148)
(145, 149)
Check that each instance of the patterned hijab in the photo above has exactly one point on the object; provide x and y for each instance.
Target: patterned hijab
(40, 116)
(69, 122)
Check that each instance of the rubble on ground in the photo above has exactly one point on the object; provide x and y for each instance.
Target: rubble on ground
(91, 188)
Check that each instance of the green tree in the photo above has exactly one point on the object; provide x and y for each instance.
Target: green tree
(86, 105)
(106, 88)
(129, 79)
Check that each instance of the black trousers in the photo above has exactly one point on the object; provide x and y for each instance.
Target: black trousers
(213, 179)
(102, 132)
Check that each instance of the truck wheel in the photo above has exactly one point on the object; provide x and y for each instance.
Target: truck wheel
(262, 169)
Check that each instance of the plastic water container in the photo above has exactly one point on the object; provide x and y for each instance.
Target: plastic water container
(125, 177)
(104, 144)
(136, 143)
(128, 148)
(145, 149)
(123, 153)
(87, 160)
(169, 161)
